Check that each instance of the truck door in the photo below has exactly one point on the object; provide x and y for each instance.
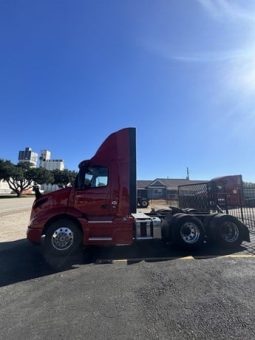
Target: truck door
(93, 195)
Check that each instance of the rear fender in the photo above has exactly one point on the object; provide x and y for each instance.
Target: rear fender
(210, 227)
(214, 223)
(245, 232)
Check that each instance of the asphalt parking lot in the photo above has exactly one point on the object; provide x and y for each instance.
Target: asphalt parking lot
(147, 291)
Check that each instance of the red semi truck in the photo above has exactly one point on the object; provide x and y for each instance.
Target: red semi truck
(218, 194)
(100, 209)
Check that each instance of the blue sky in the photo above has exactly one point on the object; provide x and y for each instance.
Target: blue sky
(182, 72)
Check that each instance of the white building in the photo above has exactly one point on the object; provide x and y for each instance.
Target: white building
(28, 155)
(52, 164)
(44, 156)
(46, 162)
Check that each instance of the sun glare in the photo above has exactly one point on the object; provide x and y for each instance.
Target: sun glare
(240, 74)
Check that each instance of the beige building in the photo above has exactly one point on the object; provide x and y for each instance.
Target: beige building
(164, 188)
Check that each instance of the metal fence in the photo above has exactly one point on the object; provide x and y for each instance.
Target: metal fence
(239, 202)
(194, 196)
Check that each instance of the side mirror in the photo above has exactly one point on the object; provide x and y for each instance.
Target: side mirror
(37, 191)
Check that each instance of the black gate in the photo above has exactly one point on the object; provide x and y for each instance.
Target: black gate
(210, 197)
(194, 196)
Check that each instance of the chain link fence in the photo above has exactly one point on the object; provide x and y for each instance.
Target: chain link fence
(209, 197)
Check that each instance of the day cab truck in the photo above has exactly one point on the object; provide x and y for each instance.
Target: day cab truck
(100, 209)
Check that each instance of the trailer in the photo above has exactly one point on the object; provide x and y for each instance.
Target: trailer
(100, 210)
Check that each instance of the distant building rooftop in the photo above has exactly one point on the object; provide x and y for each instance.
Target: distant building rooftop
(168, 183)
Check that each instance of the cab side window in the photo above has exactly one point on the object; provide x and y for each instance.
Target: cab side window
(95, 177)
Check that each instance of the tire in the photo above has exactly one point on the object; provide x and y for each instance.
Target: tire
(144, 204)
(168, 224)
(63, 237)
(228, 231)
(188, 232)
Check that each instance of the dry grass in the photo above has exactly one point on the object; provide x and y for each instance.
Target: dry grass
(163, 203)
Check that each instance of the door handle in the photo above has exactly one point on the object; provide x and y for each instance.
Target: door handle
(114, 204)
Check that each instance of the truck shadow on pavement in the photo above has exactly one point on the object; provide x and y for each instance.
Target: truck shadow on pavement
(21, 261)
(156, 251)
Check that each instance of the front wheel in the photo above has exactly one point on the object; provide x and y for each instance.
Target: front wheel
(62, 237)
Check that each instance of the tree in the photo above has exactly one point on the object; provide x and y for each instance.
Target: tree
(21, 177)
(40, 175)
(14, 176)
(64, 177)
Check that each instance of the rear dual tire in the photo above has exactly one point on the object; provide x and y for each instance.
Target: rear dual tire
(188, 232)
(183, 231)
(227, 230)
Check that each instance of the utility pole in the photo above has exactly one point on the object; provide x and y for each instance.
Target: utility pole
(187, 177)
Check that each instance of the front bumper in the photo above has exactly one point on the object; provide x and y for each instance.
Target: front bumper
(34, 235)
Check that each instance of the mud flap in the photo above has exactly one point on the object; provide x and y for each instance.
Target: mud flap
(245, 232)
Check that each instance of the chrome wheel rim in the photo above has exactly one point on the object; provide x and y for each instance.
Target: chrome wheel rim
(190, 232)
(230, 232)
(62, 238)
